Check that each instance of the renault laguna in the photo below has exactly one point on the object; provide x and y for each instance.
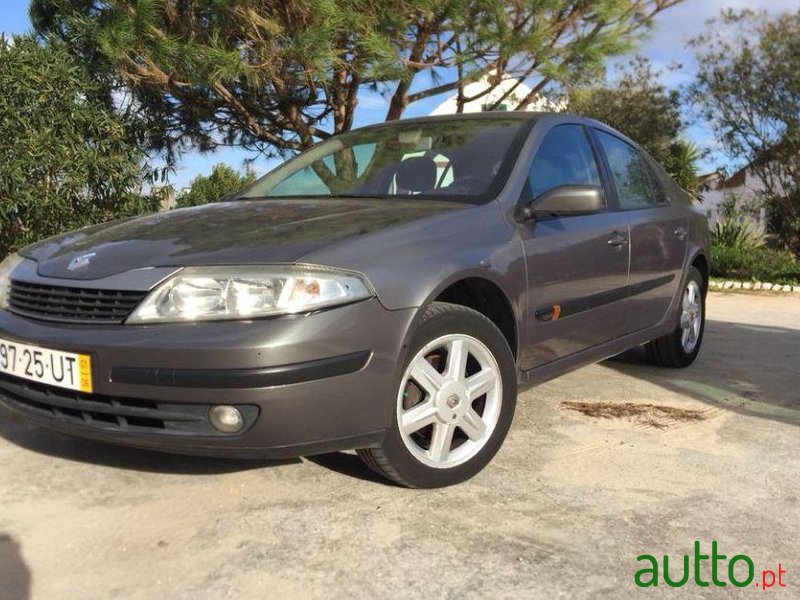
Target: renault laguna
(390, 290)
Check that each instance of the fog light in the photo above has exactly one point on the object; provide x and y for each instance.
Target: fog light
(227, 419)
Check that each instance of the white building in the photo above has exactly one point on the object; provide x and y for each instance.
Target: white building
(482, 101)
(742, 189)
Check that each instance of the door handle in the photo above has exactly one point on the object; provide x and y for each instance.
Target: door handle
(617, 240)
(680, 233)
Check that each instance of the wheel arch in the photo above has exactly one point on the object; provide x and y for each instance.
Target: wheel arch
(486, 296)
(700, 262)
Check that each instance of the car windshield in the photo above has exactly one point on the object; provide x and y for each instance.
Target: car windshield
(465, 160)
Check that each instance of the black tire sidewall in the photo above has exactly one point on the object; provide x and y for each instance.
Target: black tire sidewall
(443, 320)
(688, 358)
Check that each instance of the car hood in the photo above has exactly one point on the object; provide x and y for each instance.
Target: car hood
(239, 232)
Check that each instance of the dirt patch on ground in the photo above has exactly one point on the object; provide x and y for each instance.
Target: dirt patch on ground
(652, 415)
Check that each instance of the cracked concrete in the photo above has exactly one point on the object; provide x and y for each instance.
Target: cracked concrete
(563, 511)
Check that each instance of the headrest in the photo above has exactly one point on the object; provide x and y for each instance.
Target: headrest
(416, 174)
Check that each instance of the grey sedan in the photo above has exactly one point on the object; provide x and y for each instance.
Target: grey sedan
(390, 290)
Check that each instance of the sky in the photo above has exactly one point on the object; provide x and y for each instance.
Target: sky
(666, 45)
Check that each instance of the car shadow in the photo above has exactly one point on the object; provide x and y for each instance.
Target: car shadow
(15, 577)
(349, 465)
(748, 369)
(51, 443)
(43, 441)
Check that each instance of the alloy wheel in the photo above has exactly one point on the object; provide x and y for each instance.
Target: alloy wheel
(449, 401)
(691, 316)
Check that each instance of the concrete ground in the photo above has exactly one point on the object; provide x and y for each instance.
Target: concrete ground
(563, 511)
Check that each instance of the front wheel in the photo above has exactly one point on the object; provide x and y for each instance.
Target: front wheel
(680, 347)
(455, 401)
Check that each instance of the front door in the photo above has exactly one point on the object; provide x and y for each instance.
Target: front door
(577, 266)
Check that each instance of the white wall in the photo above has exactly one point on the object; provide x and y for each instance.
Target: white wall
(748, 197)
(450, 105)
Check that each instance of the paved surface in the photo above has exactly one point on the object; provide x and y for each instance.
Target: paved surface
(564, 510)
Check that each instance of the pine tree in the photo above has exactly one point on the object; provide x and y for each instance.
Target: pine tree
(279, 76)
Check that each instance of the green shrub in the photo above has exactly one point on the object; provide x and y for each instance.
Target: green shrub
(754, 264)
(733, 232)
(223, 180)
(66, 159)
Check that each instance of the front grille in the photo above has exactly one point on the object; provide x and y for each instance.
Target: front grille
(72, 305)
(111, 413)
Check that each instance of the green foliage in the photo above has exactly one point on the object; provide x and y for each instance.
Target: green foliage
(759, 264)
(738, 252)
(785, 223)
(270, 75)
(748, 85)
(223, 180)
(642, 108)
(638, 105)
(682, 166)
(737, 233)
(66, 160)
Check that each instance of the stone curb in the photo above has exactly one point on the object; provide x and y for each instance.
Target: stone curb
(758, 286)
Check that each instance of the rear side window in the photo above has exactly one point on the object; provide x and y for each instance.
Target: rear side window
(656, 184)
(629, 171)
(564, 158)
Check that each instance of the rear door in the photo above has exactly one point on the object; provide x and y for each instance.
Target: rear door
(577, 266)
(658, 232)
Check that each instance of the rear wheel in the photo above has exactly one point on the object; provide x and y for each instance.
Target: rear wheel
(680, 347)
(454, 404)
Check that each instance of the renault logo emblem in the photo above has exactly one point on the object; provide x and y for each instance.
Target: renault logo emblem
(80, 262)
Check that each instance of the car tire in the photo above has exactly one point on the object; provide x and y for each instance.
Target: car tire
(680, 347)
(455, 401)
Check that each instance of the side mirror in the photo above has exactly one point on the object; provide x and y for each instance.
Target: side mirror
(565, 201)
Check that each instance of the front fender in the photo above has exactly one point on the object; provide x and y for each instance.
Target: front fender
(410, 265)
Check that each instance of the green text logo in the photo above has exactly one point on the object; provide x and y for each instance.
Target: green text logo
(650, 572)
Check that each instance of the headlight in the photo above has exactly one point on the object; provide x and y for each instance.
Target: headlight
(8, 265)
(221, 293)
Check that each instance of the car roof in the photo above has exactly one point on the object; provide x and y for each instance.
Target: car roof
(529, 116)
(487, 116)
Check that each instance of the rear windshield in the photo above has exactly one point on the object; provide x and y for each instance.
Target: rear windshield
(461, 160)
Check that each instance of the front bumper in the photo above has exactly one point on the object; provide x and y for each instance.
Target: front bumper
(308, 384)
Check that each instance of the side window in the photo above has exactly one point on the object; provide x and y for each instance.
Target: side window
(629, 171)
(304, 181)
(564, 158)
(656, 184)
